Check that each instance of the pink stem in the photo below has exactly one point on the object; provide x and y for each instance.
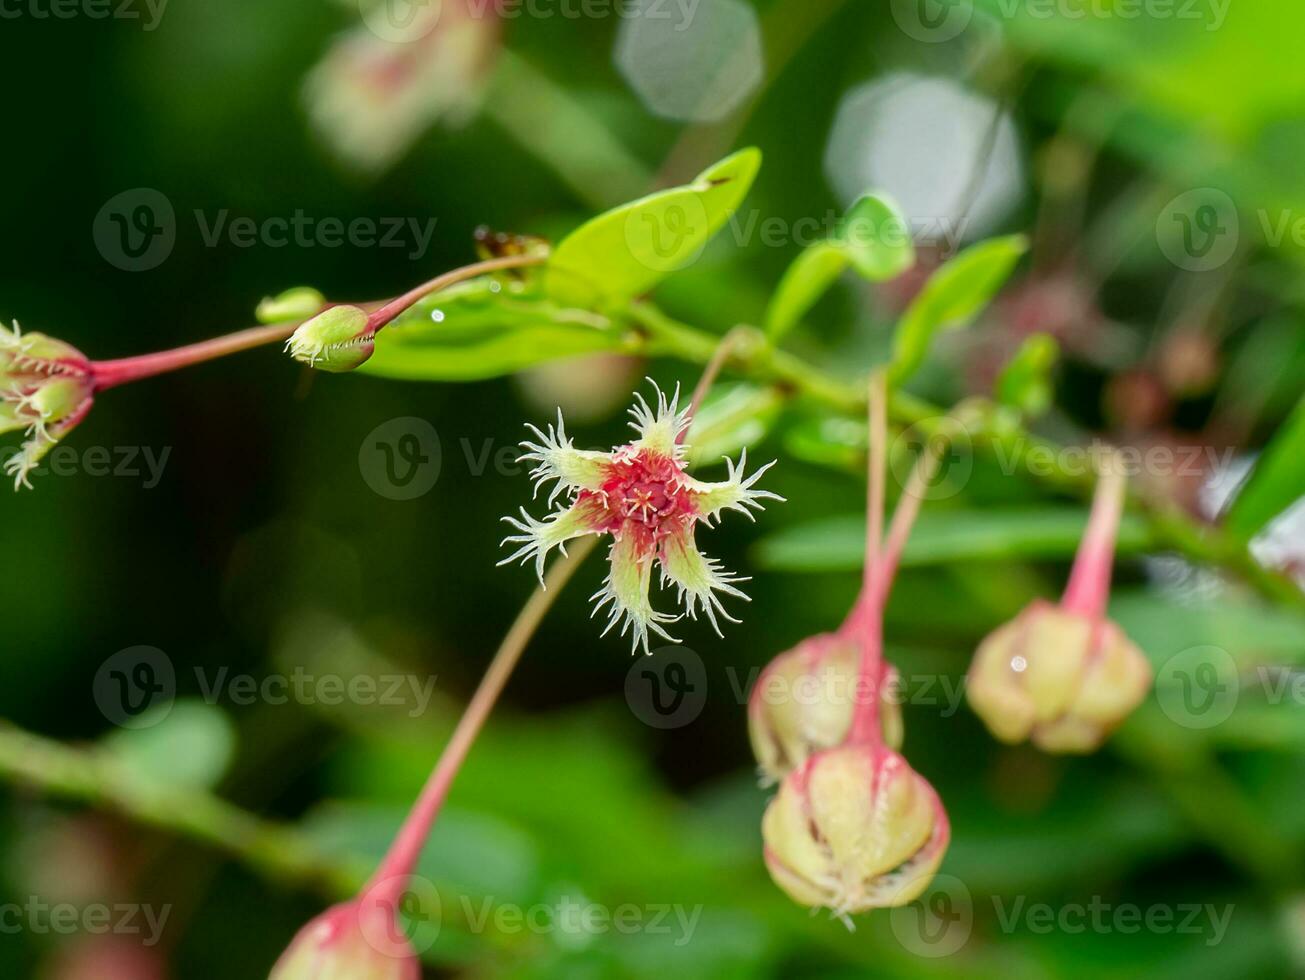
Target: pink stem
(394, 307)
(1088, 590)
(868, 615)
(709, 375)
(111, 374)
(401, 860)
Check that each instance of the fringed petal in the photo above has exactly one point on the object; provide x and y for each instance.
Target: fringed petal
(626, 591)
(735, 492)
(538, 538)
(659, 430)
(697, 578)
(569, 469)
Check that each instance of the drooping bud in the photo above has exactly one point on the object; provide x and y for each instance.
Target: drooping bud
(1061, 678)
(854, 828)
(804, 701)
(1065, 676)
(336, 340)
(294, 304)
(355, 941)
(46, 388)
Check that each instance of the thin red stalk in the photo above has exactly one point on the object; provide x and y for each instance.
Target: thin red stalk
(908, 509)
(1088, 590)
(869, 615)
(394, 307)
(709, 375)
(401, 860)
(111, 374)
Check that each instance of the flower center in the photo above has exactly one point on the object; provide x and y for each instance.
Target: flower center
(645, 490)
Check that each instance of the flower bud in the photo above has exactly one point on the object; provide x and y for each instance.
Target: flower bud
(46, 388)
(339, 945)
(294, 304)
(804, 700)
(336, 340)
(853, 829)
(1062, 678)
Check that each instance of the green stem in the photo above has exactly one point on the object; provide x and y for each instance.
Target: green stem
(1170, 527)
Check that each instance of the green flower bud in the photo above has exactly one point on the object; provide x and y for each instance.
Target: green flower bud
(1062, 679)
(46, 388)
(294, 304)
(342, 944)
(804, 701)
(853, 829)
(335, 340)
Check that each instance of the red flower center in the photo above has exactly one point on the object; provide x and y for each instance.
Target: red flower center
(644, 495)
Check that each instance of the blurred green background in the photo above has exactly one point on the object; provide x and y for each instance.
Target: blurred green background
(263, 547)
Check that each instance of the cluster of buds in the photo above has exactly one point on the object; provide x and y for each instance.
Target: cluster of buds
(804, 700)
(46, 389)
(1065, 676)
(853, 826)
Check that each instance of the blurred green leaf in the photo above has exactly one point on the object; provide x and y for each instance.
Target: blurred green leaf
(625, 252)
(954, 295)
(838, 543)
(191, 745)
(732, 419)
(484, 331)
(1025, 382)
(1277, 482)
(873, 238)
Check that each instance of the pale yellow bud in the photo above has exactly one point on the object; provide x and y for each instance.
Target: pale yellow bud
(853, 829)
(1062, 679)
(804, 700)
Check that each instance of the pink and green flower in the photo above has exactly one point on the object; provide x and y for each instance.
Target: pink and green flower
(643, 496)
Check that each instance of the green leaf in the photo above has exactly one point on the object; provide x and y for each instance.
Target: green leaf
(484, 331)
(954, 295)
(1025, 382)
(876, 238)
(190, 745)
(807, 279)
(873, 238)
(1277, 482)
(627, 251)
(940, 537)
(732, 419)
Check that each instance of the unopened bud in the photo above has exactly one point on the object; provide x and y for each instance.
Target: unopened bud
(337, 945)
(853, 829)
(294, 304)
(1061, 678)
(335, 340)
(46, 388)
(804, 701)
